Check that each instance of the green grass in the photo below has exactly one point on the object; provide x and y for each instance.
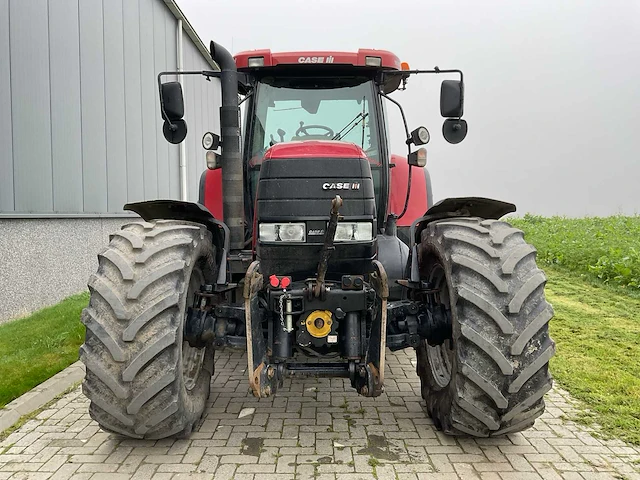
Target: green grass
(34, 348)
(597, 333)
(593, 266)
(602, 248)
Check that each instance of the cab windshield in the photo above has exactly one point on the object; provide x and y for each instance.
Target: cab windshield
(287, 109)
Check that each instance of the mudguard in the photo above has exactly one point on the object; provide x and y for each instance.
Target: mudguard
(190, 212)
(450, 208)
(461, 207)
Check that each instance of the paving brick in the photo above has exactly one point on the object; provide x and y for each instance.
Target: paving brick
(519, 463)
(493, 467)
(98, 467)
(520, 476)
(304, 432)
(130, 464)
(87, 458)
(65, 472)
(54, 463)
(176, 467)
(238, 459)
(163, 459)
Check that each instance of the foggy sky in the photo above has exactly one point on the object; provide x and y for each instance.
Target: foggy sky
(552, 88)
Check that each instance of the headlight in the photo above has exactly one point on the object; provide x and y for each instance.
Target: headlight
(282, 232)
(350, 232)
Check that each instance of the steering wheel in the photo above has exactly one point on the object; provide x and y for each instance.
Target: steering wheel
(303, 130)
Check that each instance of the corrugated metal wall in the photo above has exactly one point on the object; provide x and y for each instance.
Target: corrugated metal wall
(80, 129)
(202, 113)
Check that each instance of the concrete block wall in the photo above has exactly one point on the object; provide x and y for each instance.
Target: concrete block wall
(45, 260)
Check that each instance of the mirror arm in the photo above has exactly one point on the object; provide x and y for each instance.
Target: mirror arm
(435, 70)
(205, 73)
(408, 142)
(406, 73)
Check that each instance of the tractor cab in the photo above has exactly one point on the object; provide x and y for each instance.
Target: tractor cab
(319, 98)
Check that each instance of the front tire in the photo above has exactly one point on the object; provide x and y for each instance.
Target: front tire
(143, 379)
(491, 377)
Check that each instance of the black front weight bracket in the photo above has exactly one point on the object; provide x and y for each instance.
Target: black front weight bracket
(264, 378)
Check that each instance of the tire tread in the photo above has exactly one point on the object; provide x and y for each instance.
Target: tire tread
(500, 379)
(133, 319)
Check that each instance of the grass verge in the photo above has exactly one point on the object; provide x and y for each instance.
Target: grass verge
(602, 248)
(34, 348)
(597, 332)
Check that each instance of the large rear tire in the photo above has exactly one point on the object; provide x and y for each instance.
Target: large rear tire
(490, 379)
(143, 379)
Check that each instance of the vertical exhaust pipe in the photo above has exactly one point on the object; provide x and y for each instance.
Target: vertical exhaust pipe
(232, 184)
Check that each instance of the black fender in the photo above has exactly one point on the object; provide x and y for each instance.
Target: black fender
(461, 207)
(190, 212)
(451, 208)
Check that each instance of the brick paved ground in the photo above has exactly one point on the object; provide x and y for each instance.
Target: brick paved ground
(313, 428)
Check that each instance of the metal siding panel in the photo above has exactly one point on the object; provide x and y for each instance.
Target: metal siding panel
(133, 101)
(66, 137)
(149, 92)
(196, 131)
(94, 145)
(31, 106)
(171, 25)
(160, 64)
(197, 123)
(190, 82)
(6, 142)
(115, 105)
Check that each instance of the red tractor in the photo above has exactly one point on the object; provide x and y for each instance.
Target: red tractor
(293, 255)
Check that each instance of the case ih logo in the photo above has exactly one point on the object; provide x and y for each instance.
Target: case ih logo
(341, 186)
(328, 59)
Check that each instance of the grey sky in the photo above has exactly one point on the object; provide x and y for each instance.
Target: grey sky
(552, 87)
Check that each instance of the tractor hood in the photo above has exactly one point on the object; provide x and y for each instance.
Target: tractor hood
(298, 181)
(314, 149)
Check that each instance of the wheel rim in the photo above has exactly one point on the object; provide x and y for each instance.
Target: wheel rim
(440, 356)
(192, 358)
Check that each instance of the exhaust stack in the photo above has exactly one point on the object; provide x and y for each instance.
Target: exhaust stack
(233, 189)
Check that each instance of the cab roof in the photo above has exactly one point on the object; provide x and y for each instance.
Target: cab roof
(364, 57)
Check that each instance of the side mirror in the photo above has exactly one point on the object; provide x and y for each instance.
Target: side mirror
(172, 101)
(451, 99)
(418, 158)
(175, 132)
(454, 130)
(172, 107)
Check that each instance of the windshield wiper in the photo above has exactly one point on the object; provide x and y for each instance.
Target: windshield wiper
(360, 117)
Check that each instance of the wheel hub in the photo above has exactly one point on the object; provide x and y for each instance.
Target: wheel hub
(440, 354)
(192, 357)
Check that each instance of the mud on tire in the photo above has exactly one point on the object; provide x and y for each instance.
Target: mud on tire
(491, 378)
(142, 379)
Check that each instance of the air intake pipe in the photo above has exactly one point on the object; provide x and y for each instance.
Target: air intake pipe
(232, 184)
